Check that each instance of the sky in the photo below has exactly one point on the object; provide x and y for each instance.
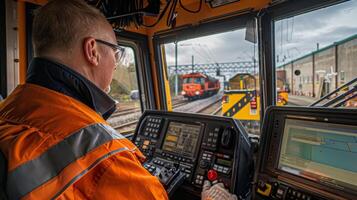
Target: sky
(294, 37)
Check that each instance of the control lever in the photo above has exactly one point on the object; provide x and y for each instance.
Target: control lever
(171, 178)
(175, 184)
(227, 138)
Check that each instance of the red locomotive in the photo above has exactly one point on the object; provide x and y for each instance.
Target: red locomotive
(197, 85)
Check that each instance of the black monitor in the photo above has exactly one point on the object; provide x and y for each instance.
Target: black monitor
(320, 151)
(182, 138)
(311, 150)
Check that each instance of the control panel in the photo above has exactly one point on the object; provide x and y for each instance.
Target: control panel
(308, 154)
(192, 148)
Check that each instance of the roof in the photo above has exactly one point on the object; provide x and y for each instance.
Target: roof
(195, 75)
(322, 49)
(241, 74)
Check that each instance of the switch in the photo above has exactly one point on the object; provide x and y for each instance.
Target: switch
(227, 138)
(212, 175)
(204, 164)
(264, 188)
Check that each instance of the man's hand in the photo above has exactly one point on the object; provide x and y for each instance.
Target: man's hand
(216, 192)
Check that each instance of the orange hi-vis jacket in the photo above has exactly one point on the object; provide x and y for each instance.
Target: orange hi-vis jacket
(59, 148)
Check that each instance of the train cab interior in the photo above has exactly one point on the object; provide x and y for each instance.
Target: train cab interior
(258, 95)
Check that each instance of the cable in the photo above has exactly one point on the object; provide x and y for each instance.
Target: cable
(96, 5)
(160, 17)
(171, 16)
(191, 11)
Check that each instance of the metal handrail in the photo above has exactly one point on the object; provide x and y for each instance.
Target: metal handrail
(340, 97)
(344, 101)
(334, 92)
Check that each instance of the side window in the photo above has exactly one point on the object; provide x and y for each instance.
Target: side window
(315, 54)
(125, 91)
(216, 75)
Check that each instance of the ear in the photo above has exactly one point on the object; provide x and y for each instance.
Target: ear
(90, 51)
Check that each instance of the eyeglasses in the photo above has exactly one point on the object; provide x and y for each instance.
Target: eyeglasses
(118, 50)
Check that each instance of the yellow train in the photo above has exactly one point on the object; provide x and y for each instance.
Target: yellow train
(241, 100)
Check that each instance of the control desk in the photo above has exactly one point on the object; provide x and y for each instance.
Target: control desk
(308, 154)
(191, 148)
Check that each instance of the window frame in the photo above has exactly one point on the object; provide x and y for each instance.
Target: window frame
(3, 58)
(267, 37)
(205, 28)
(139, 44)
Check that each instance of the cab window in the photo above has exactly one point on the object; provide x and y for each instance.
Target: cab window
(216, 78)
(315, 53)
(199, 80)
(187, 80)
(125, 91)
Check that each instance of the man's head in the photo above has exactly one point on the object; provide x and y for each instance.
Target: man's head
(75, 34)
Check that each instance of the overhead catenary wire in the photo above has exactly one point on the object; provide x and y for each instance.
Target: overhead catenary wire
(208, 59)
(205, 52)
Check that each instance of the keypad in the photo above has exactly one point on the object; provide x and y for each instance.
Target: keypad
(152, 128)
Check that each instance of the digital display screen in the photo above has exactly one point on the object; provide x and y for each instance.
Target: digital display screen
(227, 163)
(182, 138)
(320, 151)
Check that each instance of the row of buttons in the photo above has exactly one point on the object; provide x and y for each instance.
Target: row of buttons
(186, 170)
(207, 156)
(153, 125)
(150, 168)
(151, 130)
(179, 158)
(209, 145)
(215, 134)
(159, 162)
(295, 195)
(155, 120)
(224, 170)
(223, 156)
(153, 135)
(212, 138)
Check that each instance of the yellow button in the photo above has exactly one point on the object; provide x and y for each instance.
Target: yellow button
(266, 192)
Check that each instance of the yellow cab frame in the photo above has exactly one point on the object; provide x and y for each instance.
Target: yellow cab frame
(188, 25)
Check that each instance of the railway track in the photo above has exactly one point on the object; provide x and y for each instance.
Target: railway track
(176, 103)
(126, 127)
(179, 104)
(125, 112)
(212, 108)
(129, 127)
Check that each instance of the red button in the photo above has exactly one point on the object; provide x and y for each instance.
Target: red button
(212, 175)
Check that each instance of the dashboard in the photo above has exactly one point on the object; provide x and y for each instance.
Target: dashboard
(183, 150)
(308, 154)
(304, 153)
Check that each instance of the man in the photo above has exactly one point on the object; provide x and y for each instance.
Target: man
(53, 131)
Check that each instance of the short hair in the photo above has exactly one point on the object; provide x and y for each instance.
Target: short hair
(60, 23)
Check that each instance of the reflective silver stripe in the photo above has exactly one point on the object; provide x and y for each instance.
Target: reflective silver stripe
(48, 165)
(88, 169)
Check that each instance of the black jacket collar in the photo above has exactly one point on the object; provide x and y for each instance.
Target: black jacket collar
(60, 78)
